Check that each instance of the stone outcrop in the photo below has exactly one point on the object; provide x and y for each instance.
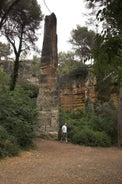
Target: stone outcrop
(74, 94)
(48, 95)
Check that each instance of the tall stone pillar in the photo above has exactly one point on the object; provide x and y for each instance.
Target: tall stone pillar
(48, 94)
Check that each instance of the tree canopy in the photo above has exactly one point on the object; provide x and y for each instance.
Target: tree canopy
(109, 12)
(82, 40)
(20, 30)
(108, 56)
(5, 8)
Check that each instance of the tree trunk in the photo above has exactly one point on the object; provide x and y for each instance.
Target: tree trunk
(120, 119)
(14, 75)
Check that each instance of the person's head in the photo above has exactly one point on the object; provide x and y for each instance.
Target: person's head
(66, 124)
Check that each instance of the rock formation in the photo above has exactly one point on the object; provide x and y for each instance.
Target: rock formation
(75, 92)
(48, 95)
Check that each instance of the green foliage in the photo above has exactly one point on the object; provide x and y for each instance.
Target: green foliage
(17, 119)
(103, 88)
(35, 66)
(8, 145)
(98, 128)
(69, 65)
(80, 71)
(70, 69)
(82, 40)
(24, 19)
(66, 62)
(88, 137)
(109, 12)
(4, 78)
(5, 50)
(107, 50)
(30, 89)
(107, 65)
(107, 54)
(106, 120)
(5, 8)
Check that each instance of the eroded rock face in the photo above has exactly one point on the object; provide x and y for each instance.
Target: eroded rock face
(48, 95)
(74, 94)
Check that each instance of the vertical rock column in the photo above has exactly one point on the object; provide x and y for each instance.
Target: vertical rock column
(48, 95)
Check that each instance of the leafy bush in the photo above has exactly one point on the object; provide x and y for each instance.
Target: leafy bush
(95, 128)
(106, 120)
(79, 71)
(102, 139)
(17, 119)
(91, 138)
(8, 145)
(31, 89)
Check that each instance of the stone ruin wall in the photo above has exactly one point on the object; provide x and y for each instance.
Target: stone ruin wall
(72, 99)
(47, 101)
(75, 96)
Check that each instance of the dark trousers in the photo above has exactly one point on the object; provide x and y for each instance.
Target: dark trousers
(64, 137)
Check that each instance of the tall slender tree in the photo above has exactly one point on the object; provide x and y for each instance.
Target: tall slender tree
(109, 12)
(20, 30)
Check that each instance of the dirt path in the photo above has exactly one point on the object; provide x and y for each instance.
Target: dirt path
(61, 163)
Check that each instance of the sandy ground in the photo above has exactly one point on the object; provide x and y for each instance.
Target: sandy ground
(63, 163)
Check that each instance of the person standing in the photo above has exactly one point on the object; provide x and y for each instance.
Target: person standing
(64, 132)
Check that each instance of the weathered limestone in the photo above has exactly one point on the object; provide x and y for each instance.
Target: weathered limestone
(48, 95)
(74, 94)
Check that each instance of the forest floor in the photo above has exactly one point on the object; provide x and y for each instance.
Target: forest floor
(54, 162)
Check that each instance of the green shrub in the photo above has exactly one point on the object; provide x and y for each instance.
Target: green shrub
(89, 137)
(79, 71)
(102, 139)
(92, 128)
(10, 148)
(30, 89)
(105, 119)
(24, 134)
(8, 145)
(18, 118)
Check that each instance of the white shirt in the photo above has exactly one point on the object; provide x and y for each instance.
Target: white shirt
(64, 129)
